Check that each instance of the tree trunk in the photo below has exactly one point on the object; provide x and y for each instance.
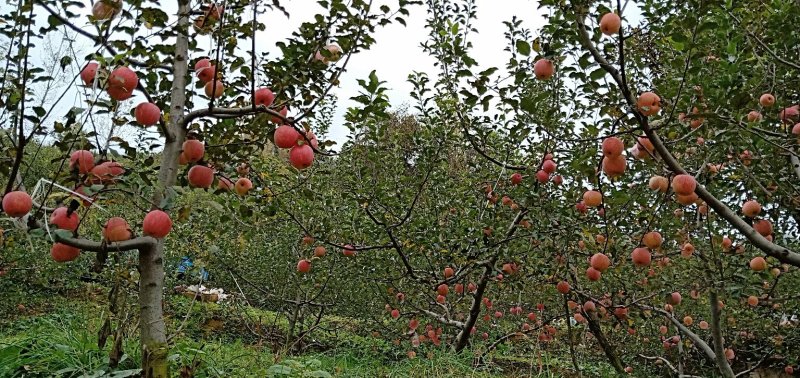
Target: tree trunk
(716, 332)
(608, 349)
(151, 260)
(153, 332)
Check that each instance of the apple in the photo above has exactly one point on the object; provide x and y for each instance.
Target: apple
(16, 204)
(89, 72)
(193, 150)
(581, 207)
(687, 250)
(156, 224)
(224, 183)
(286, 136)
(264, 96)
(243, 186)
(105, 9)
(767, 100)
(64, 253)
(558, 180)
(658, 183)
(592, 198)
(649, 104)
(593, 274)
(116, 229)
(674, 298)
(549, 166)
(652, 239)
(304, 266)
(121, 83)
(448, 272)
(283, 112)
(754, 116)
(201, 176)
(106, 172)
(758, 264)
(349, 250)
(563, 287)
(614, 166)
(790, 113)
(301, 157)
(641, 256)
(442, 289)
(610, 23)
(319, 251)
(589, 306)
(542, 176)
(752, 301)
(543, 69)
(684, 184)
(516, 178)
(147, 113)
(600, 261)
(214, 88)
(63, 219)
(612, 146)
(395, 314)
(763, 227)
(83, 160)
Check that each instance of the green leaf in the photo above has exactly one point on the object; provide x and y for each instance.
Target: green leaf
(523, 47)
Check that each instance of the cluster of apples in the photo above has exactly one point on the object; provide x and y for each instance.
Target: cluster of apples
(304, 265)
(202, 176)
(212, 13)
(301, 153)
(210, 75)
(120, 84)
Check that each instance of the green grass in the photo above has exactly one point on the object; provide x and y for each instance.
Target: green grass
(62, 341)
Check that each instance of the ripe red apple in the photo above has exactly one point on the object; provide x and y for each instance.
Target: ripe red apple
(663, 330)
(147, 113)
(301, 157)
(581, 207)
(610, 23)
(789, 114)
(243, 186)
(206, 71)
(121, 83)
(459, 288)
(614, 166)
(729, 354)
(600, 262)
(516, 178)
(64, 253)
(752, 301)
(612, 146)
(156, 224)
(106, 173)
(649, 104)
(563, 287)
(674, 298)
(542, 176)
(558, 180)
(549, 166)
(703, 325)
(441, 299)
(796, 129)
(658, 183)
(17, 204)
(334, 52)
(395, 314)
(652, 239)
(621, 312)
(201, 176)
(214, 88)
(304, 266)
(312, 140)
(442, 289)
(543, 69)
(286, 136)
(767, 100)
(116, 229)
(754, 116)
(472, 287)
(448, 272)
(283, 112)
(641, 256)
(686, 200)
(498, 314)
(319, 251)
(593, 274)
(264, 96)
(763, 227)
(64, 221)
(348, 251)
(224, 183)
(89, 72)
(82, 160)
(758, 264)
(193, 150)
(687, 250)
(726, 243)
(684, 184)
(592, 198)
(589, 306)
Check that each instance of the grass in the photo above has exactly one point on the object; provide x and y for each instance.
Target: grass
(62, 341)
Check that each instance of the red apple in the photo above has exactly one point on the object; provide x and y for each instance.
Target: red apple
(83, 160)
(156, 224)
(61, 219)
(201, 176)
(64, 253)
(301, 157)
(543, 69)
(116, 229)
(17, 204)
(147, 113)
(610, 23)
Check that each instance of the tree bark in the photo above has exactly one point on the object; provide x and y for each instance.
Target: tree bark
(716, 332)
(607, 347)
(151, 260)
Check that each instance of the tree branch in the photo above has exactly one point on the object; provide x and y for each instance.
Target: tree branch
(142, 242)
